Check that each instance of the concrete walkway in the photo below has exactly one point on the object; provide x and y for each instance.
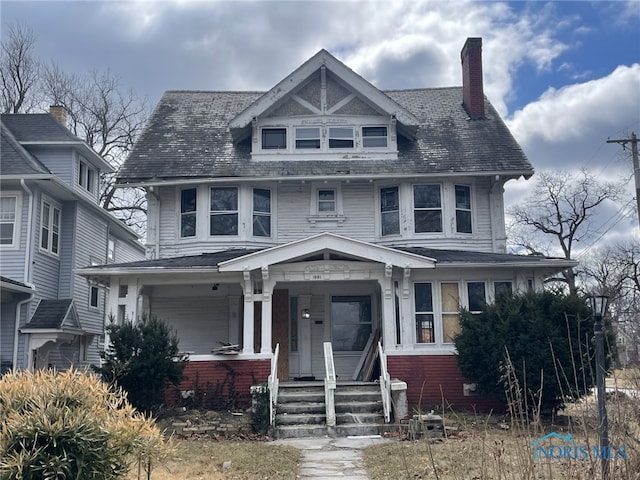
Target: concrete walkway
(330, 458)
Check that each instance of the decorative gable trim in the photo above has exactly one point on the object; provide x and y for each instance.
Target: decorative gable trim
(320, 60)
(321, 242)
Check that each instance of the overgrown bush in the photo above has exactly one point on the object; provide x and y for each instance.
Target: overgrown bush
(70, 425)
(548, 339)
(142, 358)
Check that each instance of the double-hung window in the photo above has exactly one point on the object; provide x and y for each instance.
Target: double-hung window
(427, 203)
(389, 211)
(423, 297)
(86, 176)
(463, 209)
(374, 137)
(450, 309)
(274, 138)
(307, 138)
(50, 228)
(223, 219)
(341, 137)
(326, 200)
(188, 204)
(477, 296)
(8, 215)
(261, 212)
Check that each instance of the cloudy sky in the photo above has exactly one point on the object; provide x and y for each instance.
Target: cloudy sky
(565, 76)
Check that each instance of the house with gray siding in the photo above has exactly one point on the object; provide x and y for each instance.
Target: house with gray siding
(324, 212)
(50, 225)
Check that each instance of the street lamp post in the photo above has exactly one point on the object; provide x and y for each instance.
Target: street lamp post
(599, 307)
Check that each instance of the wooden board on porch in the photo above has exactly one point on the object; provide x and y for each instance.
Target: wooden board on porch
(367, 362)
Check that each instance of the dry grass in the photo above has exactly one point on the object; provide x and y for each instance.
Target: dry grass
(200, 459)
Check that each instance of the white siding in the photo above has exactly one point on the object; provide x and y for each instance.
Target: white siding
(199, 316)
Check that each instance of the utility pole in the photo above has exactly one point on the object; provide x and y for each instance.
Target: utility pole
(636, 164)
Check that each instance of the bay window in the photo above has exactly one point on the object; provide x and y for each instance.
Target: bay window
(188, 207)
(463, 209)
(223, 216)
(389, 211)
(261, 212)
(427, 203)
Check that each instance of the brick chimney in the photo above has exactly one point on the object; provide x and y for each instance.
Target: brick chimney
(59, 113)
(472, 88)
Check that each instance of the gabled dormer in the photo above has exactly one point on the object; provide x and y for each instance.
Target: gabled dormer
(323, 111)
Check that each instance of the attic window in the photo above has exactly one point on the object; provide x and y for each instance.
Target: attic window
(274, 138)
(374, 137)
(308, 138)
(341, 137)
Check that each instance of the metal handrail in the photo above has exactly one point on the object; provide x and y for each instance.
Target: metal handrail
(329, 385)
(273, 384)
(385, 384)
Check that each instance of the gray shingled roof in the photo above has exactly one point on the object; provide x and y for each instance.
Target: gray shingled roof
(37, 127)
(442, 257)
(15, 160)
(188, 136)
(50, 314)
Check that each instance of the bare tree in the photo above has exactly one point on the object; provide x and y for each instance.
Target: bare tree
(614, 270)
(559, 212)
(19, 70)
(109, 118)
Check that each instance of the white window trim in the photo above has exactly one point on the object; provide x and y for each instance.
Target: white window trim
(270, 213)
(111, 252)
(91, 289)
(88, 181)
(443, 206)
(238, 212)
(472, 210)
(196, 213)
(53, 206)
(378, 217)
(317, 216)
(15, 241)
(386, 137)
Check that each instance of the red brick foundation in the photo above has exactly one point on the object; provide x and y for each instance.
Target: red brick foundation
(216, 381)
(434, 379)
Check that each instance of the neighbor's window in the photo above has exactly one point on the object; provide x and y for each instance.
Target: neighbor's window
(374, 137)
(308, 138)
(8, 207)
(350, 322)
(389, 211)
(341, 137)
(111, 249)
(427, 208)
(463, 209)
(86, 176)
(188, 205)
(450, 309)
(326, 200)
(50, 228)
(424, 313)
(94, 295)
(274, 138)
(261, 212)
(224, 211)
(477, 296)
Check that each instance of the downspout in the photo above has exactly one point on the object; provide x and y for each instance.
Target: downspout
(27, 271)
(156, 233)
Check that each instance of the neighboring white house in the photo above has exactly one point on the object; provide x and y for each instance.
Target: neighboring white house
(324, 210)
(50, 225)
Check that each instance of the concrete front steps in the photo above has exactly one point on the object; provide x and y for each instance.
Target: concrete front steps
(301, 412)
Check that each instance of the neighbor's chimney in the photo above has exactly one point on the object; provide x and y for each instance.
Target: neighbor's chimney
(59, 113)
(472, 89)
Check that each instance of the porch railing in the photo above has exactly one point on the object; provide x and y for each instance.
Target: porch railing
(329, 385)
(385, 384)
(273, 385)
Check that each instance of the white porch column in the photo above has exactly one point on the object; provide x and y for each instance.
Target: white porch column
(407, 327)
(131, 306)
(267, 309)
(247, 336)
(111, 308)
(388, 312)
